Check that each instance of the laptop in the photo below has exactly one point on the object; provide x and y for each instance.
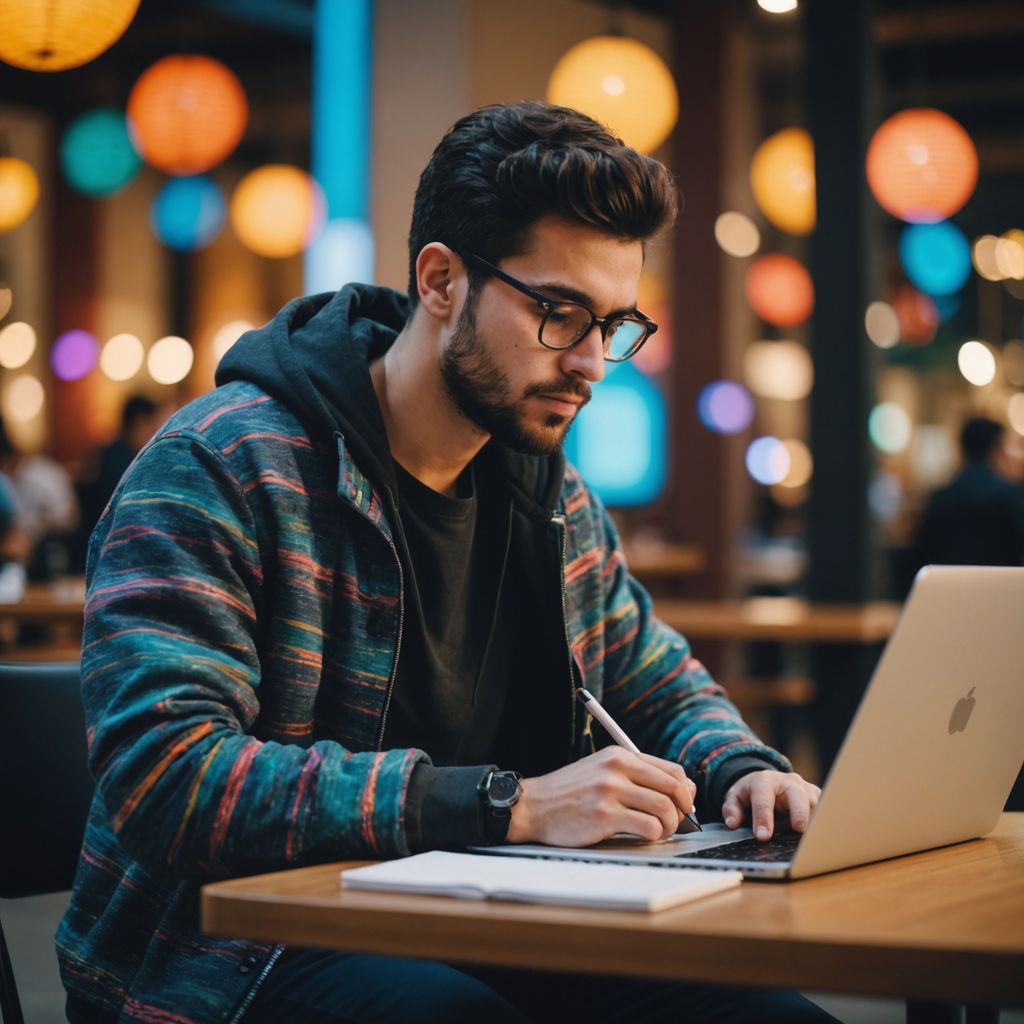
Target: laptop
(929, 759)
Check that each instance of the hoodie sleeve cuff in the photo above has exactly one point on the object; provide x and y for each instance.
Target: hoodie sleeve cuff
(442, 808)
(725, 775)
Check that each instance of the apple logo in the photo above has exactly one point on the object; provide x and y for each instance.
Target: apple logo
(962, 711)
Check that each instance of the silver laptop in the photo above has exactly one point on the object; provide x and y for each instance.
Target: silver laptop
(928, 760)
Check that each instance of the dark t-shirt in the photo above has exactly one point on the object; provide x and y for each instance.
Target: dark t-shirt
(440, 702)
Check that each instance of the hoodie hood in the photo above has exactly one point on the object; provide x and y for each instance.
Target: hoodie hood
(314, 357)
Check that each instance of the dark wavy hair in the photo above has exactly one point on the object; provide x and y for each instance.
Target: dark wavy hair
(500, 169)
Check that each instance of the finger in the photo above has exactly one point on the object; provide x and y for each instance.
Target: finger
(762, 808)
(647, 826)
(733, 813)
(666, 777)
(659, 805)
(798, 804)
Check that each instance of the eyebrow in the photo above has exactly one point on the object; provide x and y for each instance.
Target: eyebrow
(559, 290)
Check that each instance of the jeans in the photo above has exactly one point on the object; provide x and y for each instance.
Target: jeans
(309, 986)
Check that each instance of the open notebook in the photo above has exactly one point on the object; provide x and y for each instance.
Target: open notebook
(604, 886)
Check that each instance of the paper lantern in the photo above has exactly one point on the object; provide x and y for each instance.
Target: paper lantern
(277, 210)
(60, 34)
(19, 190)
(921, 165)
(936, 257)
(782, 179)
(188, 213)
(187, 113)
(621, 83)
(779, 290)
(96, 154)
(917, 314)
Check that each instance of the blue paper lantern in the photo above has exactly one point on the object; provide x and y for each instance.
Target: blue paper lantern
(96, 154)
(188, 213)
(936, 257)
(618, 441)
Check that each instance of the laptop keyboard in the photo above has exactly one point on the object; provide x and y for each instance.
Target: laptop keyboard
(778, 848)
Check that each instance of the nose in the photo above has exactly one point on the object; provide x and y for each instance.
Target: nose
(586, 358)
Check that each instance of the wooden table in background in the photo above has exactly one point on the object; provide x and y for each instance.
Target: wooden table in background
(57, 606)
(659, 563)
(786, 619)
(943, 926)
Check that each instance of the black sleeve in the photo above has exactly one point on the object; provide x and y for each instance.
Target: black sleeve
(442, 808)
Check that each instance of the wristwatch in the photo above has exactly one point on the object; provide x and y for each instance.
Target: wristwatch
(499, 792)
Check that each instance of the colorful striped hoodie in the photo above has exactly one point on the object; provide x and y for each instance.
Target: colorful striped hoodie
(242, 628)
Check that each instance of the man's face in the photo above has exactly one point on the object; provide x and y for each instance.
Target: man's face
(495, 369)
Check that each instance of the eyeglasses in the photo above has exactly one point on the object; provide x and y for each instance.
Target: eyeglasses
(565, 324)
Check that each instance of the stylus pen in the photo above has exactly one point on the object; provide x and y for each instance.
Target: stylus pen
(593, 705)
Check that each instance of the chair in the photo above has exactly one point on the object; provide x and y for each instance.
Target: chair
(45, 792)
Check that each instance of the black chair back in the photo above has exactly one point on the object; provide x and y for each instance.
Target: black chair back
(45, 790)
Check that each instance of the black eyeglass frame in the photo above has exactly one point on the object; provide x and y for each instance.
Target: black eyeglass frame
(549, 304)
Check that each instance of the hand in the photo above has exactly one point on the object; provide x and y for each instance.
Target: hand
(611, 791)
(764, 792)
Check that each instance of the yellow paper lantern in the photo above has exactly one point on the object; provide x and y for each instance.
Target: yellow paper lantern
(621, 83)
(921, 165)
(779, 290)
(19, 190)
(60, 34)
(277, 210)
(187, 113)
(782, 178)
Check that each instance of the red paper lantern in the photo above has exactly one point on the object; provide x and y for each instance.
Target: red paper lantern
(779, 290)
(922, 165)
(917, 313)
(187, 113)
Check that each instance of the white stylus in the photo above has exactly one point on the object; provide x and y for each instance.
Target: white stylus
(593, 705)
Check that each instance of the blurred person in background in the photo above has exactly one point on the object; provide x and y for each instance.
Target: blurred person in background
(141, 417)
(337, 595)
(977, 518)
(46, 508)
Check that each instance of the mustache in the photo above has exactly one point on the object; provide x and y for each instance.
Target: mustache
(566, 386)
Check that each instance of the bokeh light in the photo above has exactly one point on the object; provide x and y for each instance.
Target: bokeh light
(921, 165)
(936, 257)
(1013, 362)
(1009, 256)
(1015, 412)
(882, 324)
(6, 300)
(976, 362)
(55, 36)
(122, 357)
(74, 354)
(777, 6)
(97, 156)
(227, 335)
(170, 360)
(947, 306)
(737, 234)
(277, 210)
(801, 465)
(17, 345)
(19, 190)
(187, 113)
(782, 180)
(779, 290)
(24, 398)
(767, 460)
(983, 255)
(889, 427)
(917, 313)
(725, 407)
(623, 84)
(778, 369)
(188, 213)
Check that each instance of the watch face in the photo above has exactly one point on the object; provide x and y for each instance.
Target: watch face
(503, 790)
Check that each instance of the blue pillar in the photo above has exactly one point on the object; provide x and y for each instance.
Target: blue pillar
(341, 125)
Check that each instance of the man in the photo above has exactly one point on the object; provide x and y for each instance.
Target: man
(977, 518)
(336, 597)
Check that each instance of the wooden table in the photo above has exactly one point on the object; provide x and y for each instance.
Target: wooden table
(780, 618)
(59, 607)
(946, 925)
(663, 562)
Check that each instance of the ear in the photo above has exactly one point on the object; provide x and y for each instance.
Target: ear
(440, 279)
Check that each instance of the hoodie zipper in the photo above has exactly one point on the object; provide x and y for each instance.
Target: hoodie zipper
(497, 602)
(260, 978)
(559, 521)
(401, 630)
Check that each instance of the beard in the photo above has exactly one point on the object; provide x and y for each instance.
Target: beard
(483, 395)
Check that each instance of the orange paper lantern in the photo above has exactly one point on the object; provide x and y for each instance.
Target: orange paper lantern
(277, 210)
(779, 290)
(187, 113)
(19, 190)
(921, 165)
(782, 179)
